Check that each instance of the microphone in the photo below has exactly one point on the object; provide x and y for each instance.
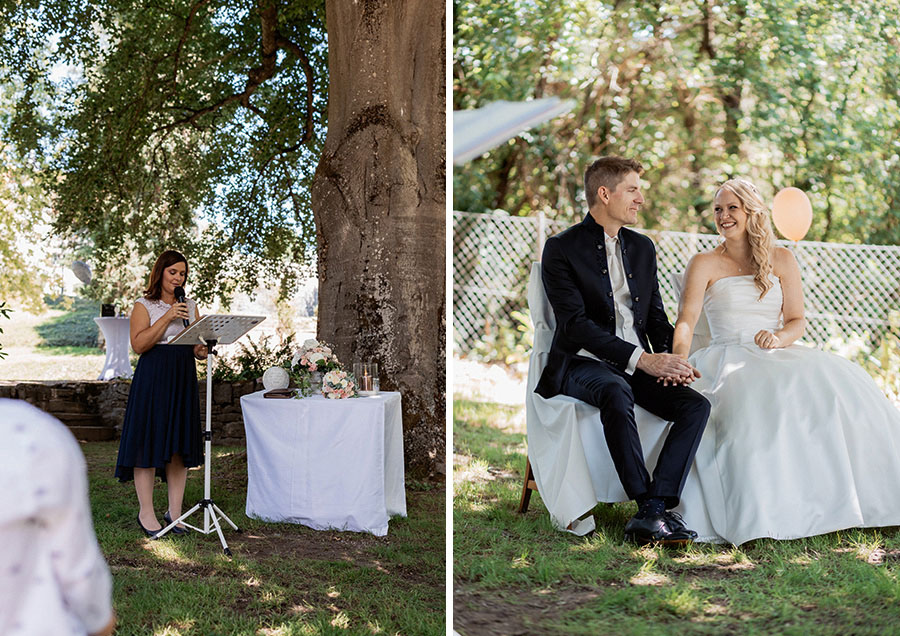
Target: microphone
(179, 298)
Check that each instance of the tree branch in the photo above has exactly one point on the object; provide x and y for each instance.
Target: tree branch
(197, 114)
(183, 39)
(270, 42)
(706, 45)
(305, 64)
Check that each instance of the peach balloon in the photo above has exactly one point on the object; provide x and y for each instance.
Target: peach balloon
(792, 213)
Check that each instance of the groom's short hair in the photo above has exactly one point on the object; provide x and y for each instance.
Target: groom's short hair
(607, 171)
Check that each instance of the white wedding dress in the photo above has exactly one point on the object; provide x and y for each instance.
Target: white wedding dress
(799, 442)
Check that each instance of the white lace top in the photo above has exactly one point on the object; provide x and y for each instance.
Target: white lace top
(157, 308)
(53, 578)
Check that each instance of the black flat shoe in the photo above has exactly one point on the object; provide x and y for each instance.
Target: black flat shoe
(149, 533)
(176, 530)
(655, 529)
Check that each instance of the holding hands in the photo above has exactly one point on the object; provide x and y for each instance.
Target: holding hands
(668, 368)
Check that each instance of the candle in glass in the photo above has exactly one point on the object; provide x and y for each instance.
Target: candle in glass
(366, 376)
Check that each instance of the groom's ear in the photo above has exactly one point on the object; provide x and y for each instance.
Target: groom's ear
(603, 194)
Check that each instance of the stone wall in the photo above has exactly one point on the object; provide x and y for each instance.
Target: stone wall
(227, 419)
(94, 410)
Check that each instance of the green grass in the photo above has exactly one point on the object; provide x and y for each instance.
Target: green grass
(283, 579)
(28, 360)
(70, 350)
(31, 358)
(516, 574)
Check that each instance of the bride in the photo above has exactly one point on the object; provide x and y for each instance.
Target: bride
(800, 442)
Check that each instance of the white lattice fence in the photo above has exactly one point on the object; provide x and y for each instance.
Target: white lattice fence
(491, 259)
(850, 290)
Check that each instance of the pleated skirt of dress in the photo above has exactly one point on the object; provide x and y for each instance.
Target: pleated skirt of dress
(162, 417)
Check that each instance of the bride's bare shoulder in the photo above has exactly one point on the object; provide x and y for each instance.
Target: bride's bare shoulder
(702, 269)
(705, 260)
(783, 254)
(783, 261)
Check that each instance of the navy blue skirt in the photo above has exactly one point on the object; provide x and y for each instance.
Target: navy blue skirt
(162, 418)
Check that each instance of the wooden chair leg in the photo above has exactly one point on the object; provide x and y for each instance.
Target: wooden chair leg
(527, 487)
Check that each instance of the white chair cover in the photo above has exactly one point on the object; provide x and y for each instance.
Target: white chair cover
(572, 465)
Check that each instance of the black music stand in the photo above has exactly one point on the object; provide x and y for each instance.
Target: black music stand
(210, 331)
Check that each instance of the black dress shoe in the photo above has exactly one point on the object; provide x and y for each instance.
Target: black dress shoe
(654, 529)
(176, 530)
(676, 523)
(149, 533)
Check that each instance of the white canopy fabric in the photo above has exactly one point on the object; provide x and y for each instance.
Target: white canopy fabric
(477, 131)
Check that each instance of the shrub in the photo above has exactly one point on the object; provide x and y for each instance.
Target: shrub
(878, 355)
(75, 328)
(510, 341)
(252, 359)
(4, 311)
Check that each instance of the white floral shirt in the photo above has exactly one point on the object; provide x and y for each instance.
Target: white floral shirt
(53, 578)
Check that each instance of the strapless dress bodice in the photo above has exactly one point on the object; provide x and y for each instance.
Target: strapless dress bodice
(735, 311)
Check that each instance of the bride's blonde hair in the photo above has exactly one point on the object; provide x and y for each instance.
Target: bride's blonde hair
(759, 230)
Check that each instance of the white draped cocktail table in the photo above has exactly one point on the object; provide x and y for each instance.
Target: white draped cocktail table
(326, 464)
(117, 333)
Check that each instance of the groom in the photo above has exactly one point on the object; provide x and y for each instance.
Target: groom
(611, 344)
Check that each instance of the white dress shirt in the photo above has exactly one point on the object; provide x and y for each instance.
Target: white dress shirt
(53, 578)
(621, 302)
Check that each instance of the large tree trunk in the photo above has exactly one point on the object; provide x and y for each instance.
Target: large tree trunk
(379, 202)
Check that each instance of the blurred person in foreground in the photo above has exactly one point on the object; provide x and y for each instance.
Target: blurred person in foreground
(53, 578)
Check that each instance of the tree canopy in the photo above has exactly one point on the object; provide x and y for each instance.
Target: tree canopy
(803, 93)
(21, 207)
(194, 124)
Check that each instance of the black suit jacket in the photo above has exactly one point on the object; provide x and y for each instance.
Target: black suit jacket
(575, 277)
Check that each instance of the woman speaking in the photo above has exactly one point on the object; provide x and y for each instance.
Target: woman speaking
(161, 432)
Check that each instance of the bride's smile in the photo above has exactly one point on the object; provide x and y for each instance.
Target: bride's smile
(731, 218)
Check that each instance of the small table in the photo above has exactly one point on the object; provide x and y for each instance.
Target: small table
(326, 464)
(117, 333)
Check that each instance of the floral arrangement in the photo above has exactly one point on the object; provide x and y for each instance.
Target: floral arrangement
(314, 363)
(338, 384)
(315, 356)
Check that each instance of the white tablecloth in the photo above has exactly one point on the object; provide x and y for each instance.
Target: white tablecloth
(117, 333)
(327, 464)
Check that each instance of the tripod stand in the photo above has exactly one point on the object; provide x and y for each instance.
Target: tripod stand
(210, 331)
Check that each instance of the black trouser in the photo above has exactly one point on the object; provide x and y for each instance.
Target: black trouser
(615, 393)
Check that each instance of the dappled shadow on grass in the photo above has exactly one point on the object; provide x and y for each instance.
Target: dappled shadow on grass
(283, 577)
(486, 446)
(516, 574)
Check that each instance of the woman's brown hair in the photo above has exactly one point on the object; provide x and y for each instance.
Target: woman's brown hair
(166, 259)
